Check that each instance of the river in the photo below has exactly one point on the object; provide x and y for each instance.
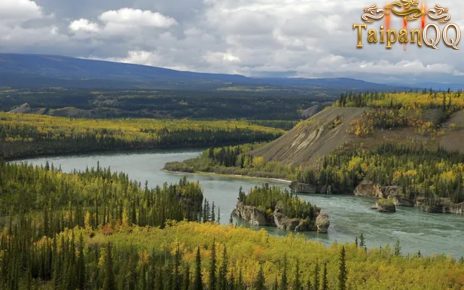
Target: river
(350, 216)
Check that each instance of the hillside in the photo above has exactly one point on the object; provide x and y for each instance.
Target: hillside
(335, 127)
(402, 148)
(313, 138)
(40, 71)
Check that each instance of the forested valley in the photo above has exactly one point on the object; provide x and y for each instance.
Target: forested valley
(97, 229)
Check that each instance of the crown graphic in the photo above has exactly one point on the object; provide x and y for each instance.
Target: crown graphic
(409, 10)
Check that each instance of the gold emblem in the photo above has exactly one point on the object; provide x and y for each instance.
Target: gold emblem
(428, 34)
(409, 10)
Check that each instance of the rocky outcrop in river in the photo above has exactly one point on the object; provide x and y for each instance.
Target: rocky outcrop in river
(394, 193)
(322, 222)
(251, 214)
(385, 205)
(442, 205)
(257, 217)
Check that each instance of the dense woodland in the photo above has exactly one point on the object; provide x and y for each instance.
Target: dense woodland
(425, 99)
(94, 197)
(29, 135)
(99, 230)
(429, 174)
(235, 102)
(419, 171)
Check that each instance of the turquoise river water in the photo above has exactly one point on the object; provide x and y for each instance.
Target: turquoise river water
(350, 216)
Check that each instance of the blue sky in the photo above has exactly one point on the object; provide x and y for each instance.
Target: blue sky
(312, 38)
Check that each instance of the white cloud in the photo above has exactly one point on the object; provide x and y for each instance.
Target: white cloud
(307, 38)
(221, 57)
(136, 17)
(16, 11)
(123, 22)
(83, 25)
(140, 57)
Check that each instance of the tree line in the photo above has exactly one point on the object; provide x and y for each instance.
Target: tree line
(95, 197)
(30, 135)
(418, 171)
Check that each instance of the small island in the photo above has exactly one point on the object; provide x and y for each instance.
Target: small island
(385, 205)
(275, 207)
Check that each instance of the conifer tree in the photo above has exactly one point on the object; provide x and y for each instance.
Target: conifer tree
(325, 282)
(342, 271)
(222, 281)
(316, 276)
(259, 283)
(198, 281)
(297, 280)
(109, 281)
(397, 248)
(186, 282)
(240, 283)
(362, 241)
(283, 280)
(177, 280)
(81, 276)
(212, 269)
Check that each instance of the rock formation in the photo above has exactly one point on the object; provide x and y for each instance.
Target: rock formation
(385, 205)
(256, 217)
(251, 214)
(322, 222)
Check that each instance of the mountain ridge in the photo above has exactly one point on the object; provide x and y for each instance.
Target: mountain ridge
(35, 70)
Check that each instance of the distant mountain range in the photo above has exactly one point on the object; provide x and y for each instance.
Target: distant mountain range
(40, 71)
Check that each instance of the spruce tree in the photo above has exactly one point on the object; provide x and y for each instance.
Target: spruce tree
(198, 281)
(397, 248)
(81, 278)
(259, 283)
(316, 276)
(342, 271)
(186, 282)
(212, 268)
(177, 282)
(222, 281)
(240, 284)
(297, 280)
(324, 284)
(284, 280)
(109, 281)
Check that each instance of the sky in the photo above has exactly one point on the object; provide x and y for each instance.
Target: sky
(294, 38)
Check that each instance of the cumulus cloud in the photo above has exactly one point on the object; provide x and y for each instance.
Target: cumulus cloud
(136, 17)
(17, 11)
(305, 38)
(122, 21)
(83, 25)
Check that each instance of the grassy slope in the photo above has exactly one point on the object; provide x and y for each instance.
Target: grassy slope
(328, 130)
(313, 138)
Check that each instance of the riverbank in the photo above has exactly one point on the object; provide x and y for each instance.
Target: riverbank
(236, 176)
(430, 233)
(28, 135)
